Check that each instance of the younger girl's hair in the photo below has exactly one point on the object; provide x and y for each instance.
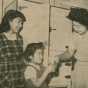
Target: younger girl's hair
(31, 49)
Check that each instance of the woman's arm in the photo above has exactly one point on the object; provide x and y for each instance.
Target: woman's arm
(67, 55)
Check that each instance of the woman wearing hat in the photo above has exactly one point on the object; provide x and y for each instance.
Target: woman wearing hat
(79, 18)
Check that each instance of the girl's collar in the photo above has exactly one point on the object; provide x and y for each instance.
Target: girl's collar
(10, 36)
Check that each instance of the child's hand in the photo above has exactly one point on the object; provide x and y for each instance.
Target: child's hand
(50, 68)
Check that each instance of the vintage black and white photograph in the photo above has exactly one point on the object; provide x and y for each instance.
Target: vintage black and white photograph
(43, 43)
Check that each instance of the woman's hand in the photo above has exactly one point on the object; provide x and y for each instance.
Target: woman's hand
(67, 55)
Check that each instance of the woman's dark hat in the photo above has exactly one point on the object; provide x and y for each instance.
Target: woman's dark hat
(80, 15)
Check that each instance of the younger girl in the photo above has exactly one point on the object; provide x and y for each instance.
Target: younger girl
(35, 74)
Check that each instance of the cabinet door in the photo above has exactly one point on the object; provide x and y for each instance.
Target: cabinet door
(60, 38)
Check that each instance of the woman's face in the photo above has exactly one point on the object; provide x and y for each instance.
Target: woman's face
(16, 24)
(38, 58)
(79, 28)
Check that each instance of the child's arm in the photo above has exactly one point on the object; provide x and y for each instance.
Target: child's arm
(37, 82)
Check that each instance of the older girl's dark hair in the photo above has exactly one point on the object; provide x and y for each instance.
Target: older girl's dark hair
(31, 49)
(9, 16)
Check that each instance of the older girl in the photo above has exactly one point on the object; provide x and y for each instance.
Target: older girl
(11, 46)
